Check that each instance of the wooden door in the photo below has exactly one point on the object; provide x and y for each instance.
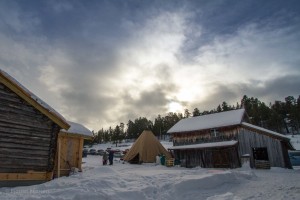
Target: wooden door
(221, 158)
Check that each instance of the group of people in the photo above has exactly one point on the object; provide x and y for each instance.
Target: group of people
(109, 157)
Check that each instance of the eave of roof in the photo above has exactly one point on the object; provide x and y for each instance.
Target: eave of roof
(29, 97)
(205, 145)
(77, 130)
(269, 132)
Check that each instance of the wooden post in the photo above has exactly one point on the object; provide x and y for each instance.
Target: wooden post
(58, 156)
(81, 139)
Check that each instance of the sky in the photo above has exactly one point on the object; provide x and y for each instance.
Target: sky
(100, 63)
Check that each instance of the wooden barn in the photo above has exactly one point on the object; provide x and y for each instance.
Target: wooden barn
(222, 139)
(28, 135)
(69, 149)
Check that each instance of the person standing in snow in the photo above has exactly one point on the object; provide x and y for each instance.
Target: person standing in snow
(111, 157)
(104, 158)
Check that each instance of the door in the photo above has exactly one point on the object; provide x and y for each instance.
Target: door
(221, 158)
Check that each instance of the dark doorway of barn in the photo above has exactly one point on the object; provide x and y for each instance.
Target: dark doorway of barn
(261, 158)
(260, 153)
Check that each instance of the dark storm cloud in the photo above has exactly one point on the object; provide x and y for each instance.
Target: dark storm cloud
(268, 92)
(103, 62)
(149, 103)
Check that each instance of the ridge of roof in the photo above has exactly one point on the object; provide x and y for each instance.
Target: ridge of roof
(32, 99)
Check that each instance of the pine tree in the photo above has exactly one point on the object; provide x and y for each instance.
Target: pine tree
(196, 112)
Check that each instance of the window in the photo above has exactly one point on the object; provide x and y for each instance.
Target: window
(214, 133)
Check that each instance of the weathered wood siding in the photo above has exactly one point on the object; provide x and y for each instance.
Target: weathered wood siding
(204, 136)
(220, 157)
(27, 137)
(249, 139)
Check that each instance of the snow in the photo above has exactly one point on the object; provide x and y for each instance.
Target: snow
(206, 145)
(295, 140)
(78, 129)
(156, 182)
(221, 119)
(265, 130)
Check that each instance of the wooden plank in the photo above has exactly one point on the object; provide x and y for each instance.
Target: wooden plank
(15, 169)
(170, 162)
(23, 135)
(23, 156)
(28, 152)
(23, 146)
(26, 176)
(79, 166)
(33, 123)
(58, 153)
(23, 162)
(14, 129)
(25, 141)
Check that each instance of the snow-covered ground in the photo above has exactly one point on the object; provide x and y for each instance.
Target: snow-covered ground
(295, 140)
(150, 181)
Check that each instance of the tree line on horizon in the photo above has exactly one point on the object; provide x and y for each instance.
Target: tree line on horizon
(281, 117)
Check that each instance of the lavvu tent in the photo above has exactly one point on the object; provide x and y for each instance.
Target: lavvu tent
(145, 149)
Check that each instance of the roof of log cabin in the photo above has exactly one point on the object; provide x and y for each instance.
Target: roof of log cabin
(215, 120)
(78, 129)
(32, 99)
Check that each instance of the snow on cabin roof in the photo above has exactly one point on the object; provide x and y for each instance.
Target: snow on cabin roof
(228, 118)
(205, 145)
(265, 130)
(78, 129)
(33, 97)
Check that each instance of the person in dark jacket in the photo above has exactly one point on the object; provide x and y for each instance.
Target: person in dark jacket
(111, 157)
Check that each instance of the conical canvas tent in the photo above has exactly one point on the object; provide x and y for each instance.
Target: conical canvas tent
(145, 149)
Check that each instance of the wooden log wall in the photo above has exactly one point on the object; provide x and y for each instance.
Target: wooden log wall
(27, 137)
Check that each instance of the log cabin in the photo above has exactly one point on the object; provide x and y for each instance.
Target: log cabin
(69, 149)
(220, 140)
(28, 135)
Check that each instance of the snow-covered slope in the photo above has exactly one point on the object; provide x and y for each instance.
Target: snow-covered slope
(150, 181)
(295, 141)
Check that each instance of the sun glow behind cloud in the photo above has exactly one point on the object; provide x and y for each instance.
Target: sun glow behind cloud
(175, 107)
(145, 60)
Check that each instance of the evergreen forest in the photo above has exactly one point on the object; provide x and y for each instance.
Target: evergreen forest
(281, 117)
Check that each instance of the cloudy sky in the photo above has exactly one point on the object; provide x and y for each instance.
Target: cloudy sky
(100, 63)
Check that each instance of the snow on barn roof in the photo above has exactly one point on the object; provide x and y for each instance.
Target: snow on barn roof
(222, 119)
(32, 99)
(78, 129)
(205, 145)
(265, 130)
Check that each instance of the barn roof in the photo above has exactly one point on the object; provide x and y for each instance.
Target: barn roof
(32, 99)
(266, 131)
(78, 129)
(222, 119)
